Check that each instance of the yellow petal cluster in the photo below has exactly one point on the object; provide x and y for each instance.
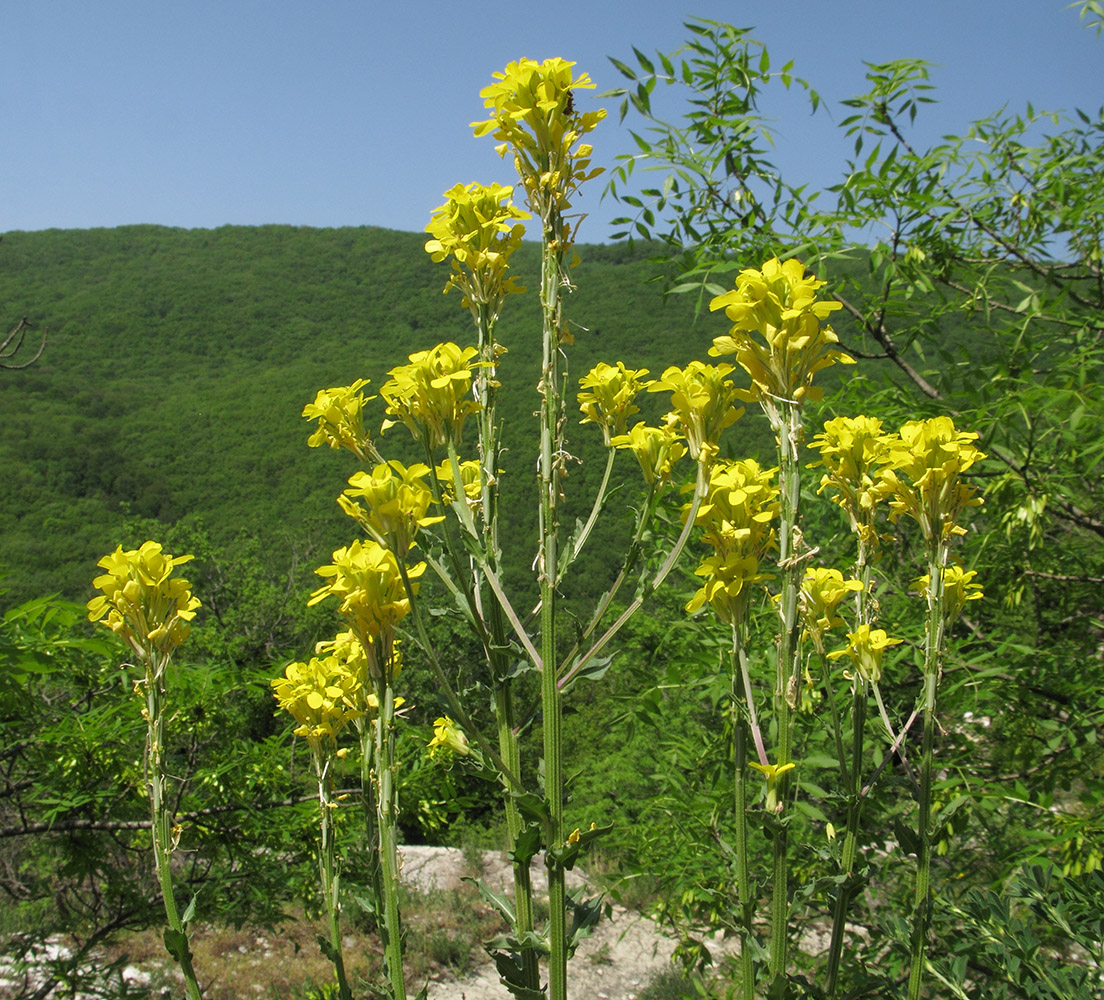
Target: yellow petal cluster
(779, 304)
(381, 659)
(958, 588)
(141, 601)
(365, 577)
(533, 114)
(397, 499)
(703, 400)
(854, 451)
(609, 394)
(926, 464)
(323, 695)
(478, 228)
(657, 449)
(340, 421)
(737, 515)
(447, 736)
(865, 647)
(822, 592)
(428, 394)
(471, 479)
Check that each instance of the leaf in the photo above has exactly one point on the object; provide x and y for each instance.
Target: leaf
(906, 837)
(176, 943)
(497, 900)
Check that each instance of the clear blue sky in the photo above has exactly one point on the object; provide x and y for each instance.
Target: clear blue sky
(199, 113)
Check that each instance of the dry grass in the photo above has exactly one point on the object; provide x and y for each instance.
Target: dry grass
(444, 934)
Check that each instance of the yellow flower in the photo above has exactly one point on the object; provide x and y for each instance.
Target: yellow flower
(532, 112)
(736, 515)
(822, 592)
(657, 449)
(728, 577)
(854, 451)
(141, 601)
(737, 512)
(397, 499)
(340, 423)
(448, 736)
(925, 471)
(779, 303)
(427, 394)
(478, 228)
(958, 588)
(865, 647)
(702, 398)
(366, 579)
(773, 772)
(322, 695)
(610, 401)
(471, 478)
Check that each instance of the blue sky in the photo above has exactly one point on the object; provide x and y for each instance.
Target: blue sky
(201, 113)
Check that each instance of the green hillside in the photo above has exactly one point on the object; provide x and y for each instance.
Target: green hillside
(178, 363)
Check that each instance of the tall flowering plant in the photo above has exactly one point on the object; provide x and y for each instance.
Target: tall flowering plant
(150, 609)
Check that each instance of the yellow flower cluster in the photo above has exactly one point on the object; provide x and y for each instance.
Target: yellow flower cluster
(925, 475)
(958, 588)
(471, 480)
(478, 228)
(865, 647)
(657, 449)
(340, 422)
(609, 399)
(142, 602)
(737, 515)
(365, 577)
(780, 304)
(703, 400)
(533, 114)
(323, 695)
(854, 451)
(398, 500)
(381, 658)
(822, 592)
(918, 470)
(427, 395)
(447, 736)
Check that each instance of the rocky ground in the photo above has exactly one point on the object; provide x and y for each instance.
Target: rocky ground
(624, 952)
(619, 958)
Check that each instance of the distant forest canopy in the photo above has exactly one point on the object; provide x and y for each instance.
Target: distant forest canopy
(179, 362)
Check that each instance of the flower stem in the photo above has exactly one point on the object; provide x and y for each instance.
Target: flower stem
(791, 557)
(161, 818)
(933, 649)
(551, 280)
(386, 804)
(327, 866)
(743, 884)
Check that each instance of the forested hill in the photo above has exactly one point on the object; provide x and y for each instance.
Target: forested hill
(178, 363)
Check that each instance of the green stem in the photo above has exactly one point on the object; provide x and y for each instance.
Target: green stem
(387, 806)
(327, 866)
(366, 736)
(548, 563)
(790, 562)
(933, 649)
(853, 778)
(743, 882)
(700, 488)
(161, 818)
(595, 510)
